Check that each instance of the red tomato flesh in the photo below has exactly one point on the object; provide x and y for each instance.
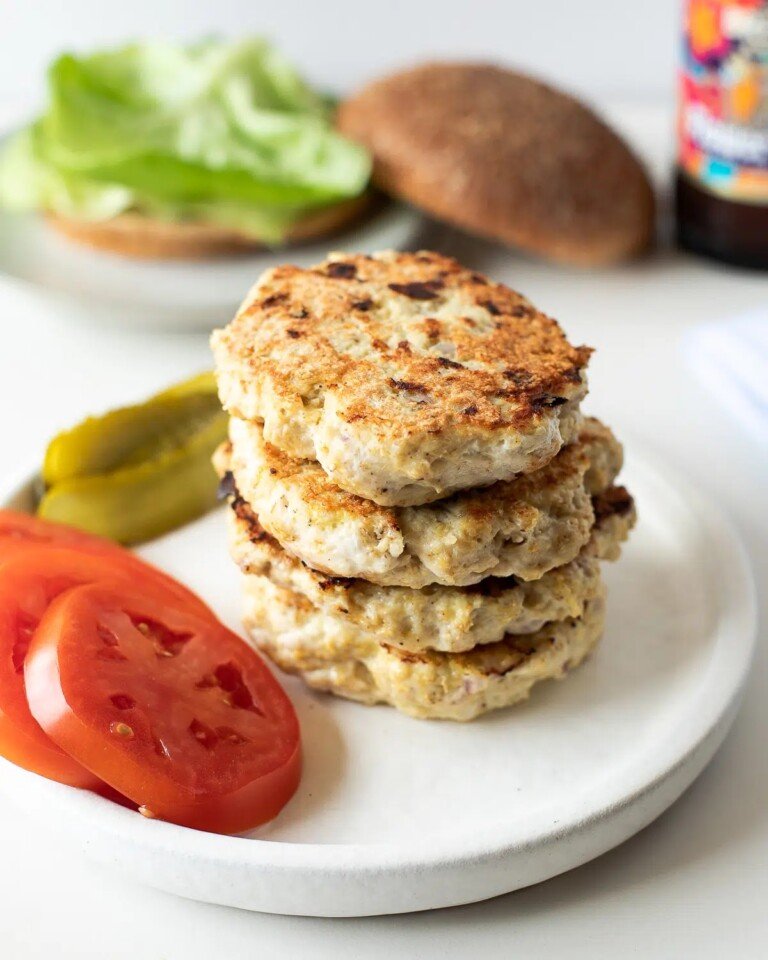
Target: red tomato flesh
(24, 598)
(172, 710)
(30, 578)
(20, 531)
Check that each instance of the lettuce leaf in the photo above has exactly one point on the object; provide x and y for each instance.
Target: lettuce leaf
(26, 183)
(224, 131)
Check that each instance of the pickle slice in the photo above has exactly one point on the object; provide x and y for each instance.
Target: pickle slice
(130, 434)
(140, 471)
(146, 499)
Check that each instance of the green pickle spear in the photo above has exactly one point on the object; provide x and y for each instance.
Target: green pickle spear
(129, 434)
(138, 472)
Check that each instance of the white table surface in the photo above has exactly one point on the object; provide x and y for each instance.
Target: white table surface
(694, 884)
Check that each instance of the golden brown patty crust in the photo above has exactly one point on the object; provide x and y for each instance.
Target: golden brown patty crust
(522, 527)
(327, 654)
(506, 156)
(449, 619)
(405, 375)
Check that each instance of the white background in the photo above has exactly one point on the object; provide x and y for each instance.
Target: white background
(695, 883)
(597, 47)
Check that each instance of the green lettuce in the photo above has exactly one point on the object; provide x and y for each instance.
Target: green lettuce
(227, 133)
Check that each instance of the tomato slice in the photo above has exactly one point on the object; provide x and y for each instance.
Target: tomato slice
(21, 531)
(30, 578)
(174, 711)
(24, 597)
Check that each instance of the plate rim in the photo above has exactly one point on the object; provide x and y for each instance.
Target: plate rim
(358, 862)
(164, 317)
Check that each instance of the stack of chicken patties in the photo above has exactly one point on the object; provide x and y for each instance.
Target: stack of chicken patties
(417, 503)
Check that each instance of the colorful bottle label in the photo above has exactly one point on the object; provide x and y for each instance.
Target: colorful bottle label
(723, 117)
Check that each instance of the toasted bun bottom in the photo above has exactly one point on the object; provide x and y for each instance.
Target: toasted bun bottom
(134, 235)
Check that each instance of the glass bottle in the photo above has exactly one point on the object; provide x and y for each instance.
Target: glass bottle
(722, 158)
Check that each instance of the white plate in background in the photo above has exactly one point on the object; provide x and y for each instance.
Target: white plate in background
(395, 814)
(167, 294)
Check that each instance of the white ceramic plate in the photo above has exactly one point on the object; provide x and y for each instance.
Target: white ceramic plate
(188, 295)
(395, 814)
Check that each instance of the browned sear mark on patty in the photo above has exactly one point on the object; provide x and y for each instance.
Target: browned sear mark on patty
(328, 582)
(418, 290)
(445, 362)
(244, 512)
(432, 328)
(341, 270)
(547, 402)
(408, 386)
(520, 378)
(274, 299)
(616, 501)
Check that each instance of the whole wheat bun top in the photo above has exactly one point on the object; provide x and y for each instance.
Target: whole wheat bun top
(505, 156)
